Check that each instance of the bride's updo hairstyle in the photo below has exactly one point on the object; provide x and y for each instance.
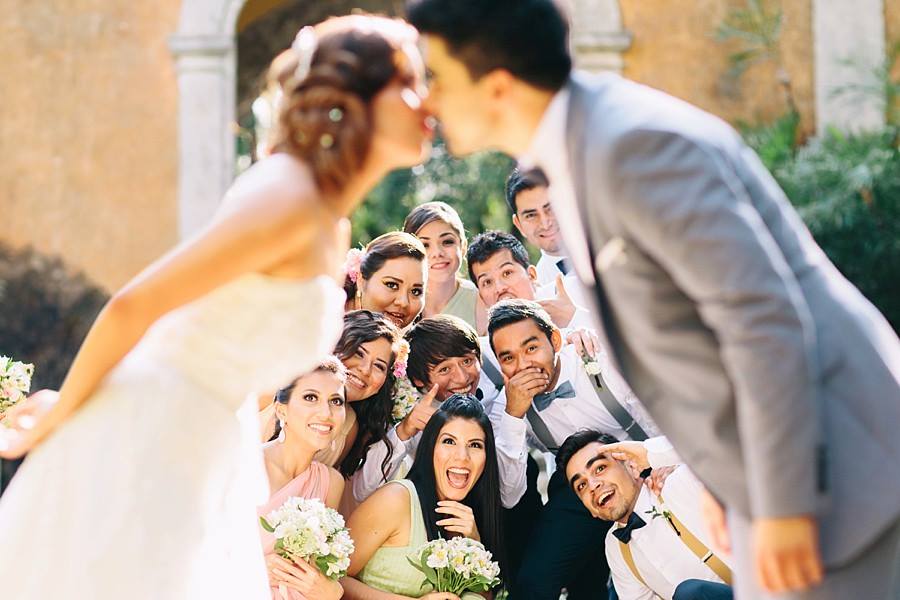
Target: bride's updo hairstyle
(325, 84)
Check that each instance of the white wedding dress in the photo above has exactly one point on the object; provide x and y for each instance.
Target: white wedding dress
(150, 490)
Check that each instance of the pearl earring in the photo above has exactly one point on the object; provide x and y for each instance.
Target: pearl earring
(281, 425)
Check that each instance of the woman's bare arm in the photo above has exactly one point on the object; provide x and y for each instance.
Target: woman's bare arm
(268, 223)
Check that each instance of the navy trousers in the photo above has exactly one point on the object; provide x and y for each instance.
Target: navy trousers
(566, 550)
(697, 589)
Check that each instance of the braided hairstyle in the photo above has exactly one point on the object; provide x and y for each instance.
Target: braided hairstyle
(324, 115)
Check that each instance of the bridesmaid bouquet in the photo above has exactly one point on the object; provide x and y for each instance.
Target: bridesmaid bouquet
(456, 566)
(15, 382)
(307, 529)
(405, 397)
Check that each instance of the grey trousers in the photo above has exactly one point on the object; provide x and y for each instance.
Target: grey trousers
(873, 575)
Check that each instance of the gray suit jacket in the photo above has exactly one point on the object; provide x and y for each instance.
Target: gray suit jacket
(773, 377)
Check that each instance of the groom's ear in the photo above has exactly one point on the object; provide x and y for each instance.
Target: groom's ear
(499, 83)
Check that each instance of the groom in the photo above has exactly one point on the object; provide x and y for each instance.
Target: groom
(774, 378)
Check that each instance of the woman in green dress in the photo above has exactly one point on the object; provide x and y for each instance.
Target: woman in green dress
(451, 490)
(439, 228)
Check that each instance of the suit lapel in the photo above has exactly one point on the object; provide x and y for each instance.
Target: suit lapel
(577, 125)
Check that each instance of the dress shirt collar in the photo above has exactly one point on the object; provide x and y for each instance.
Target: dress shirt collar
(548, 145)
(552, 257)
(642, 506)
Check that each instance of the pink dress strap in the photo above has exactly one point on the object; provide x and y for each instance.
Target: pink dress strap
(312, 483)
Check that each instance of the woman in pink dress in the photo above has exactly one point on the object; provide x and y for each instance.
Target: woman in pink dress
(310, 414)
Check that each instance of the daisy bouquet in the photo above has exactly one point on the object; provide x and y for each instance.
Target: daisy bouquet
(15, 382)
(456, 566)
(307, 529)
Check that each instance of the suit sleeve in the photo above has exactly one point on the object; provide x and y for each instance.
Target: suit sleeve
(683, 204)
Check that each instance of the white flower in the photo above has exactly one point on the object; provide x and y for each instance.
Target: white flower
(457, 565)
(307, 529)
(405, 398)
(15, 382)
(591, 366)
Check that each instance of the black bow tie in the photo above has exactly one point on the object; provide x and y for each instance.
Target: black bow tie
(563, 266)
(624, 533)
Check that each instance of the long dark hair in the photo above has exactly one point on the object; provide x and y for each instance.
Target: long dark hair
(373, 414)
(484, 497)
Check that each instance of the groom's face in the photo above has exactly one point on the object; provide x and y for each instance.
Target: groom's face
(463, 106)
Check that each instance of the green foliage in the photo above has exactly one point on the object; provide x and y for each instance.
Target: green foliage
(755, 29)
(776, 143)
(45, 312)
(847, 190)
(474, 186)
(879, 83)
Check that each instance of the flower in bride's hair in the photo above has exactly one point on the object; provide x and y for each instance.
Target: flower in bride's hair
(402, 359)
(353, 263)
(304, 47)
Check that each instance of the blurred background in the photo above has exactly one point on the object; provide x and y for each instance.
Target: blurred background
(124, 122)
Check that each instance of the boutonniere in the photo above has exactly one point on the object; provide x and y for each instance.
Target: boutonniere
(591, 365)
(663, 512)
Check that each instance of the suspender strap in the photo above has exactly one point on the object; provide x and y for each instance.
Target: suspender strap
(540, 430)
(699, 549)
(629, 560)
(618, 412)
(492, 373)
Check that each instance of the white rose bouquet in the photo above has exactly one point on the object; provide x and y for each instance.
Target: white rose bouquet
(15, 382)
(405, 398)
(456, 566)
(307, 529)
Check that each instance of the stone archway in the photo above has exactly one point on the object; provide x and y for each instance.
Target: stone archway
(598, 36)
(205, 51)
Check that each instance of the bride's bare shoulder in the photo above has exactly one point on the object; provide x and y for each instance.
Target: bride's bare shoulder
(279, 180)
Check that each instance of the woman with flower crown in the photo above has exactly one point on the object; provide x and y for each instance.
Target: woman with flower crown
(145, 470)
(310, 412)
(451, 490)
(389, 277)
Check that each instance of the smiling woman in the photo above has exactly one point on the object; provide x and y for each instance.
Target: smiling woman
(439, 228)
(390, 278)
(451, 490)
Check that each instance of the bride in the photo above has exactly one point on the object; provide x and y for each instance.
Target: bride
(144, 474)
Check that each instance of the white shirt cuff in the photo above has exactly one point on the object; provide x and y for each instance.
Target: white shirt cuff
(660, 453)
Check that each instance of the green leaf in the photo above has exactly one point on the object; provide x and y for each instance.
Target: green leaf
(265, 525)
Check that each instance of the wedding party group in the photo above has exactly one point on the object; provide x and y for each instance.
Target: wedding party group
(682, 399)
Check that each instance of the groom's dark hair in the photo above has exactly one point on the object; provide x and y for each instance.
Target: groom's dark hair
(528, 38)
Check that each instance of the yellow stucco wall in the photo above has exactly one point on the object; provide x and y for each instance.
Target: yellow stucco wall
(674, 49)
(88, 131)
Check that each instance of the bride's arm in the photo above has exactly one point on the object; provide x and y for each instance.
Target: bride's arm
(270, 221)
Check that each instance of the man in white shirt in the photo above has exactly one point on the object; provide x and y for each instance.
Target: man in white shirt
(444, 359)
(658, 546)
(500, 269)
(529, 203)
(550, 393)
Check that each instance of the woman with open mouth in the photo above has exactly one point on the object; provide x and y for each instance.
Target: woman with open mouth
(439, 228)
(453, 489)
(310, 413)
(388, 277)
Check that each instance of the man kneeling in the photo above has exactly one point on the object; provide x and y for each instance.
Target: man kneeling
(658, 546)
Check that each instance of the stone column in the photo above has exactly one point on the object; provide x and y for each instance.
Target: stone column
(206, 147)
(598, 38)
(847, 31)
